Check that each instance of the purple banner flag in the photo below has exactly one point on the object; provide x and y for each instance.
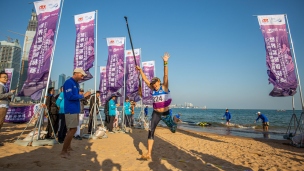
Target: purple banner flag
(278, 56)
(42, 46)
(148, 69)
(115, 64)
(9, 72)
(84, 45)
(132, 81)
(103, 85)
(21, 113)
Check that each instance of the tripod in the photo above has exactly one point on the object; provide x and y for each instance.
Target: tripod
(39, 110)
(94, 123)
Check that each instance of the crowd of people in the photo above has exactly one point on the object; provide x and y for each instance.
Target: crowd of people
(65, 111)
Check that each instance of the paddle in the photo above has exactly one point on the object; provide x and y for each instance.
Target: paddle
(139, 87)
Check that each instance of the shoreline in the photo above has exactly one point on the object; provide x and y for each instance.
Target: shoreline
(183, 150)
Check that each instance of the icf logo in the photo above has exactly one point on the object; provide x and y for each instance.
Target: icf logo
(80, 19)
(265, 20)
(129, 53)
(42, 7)
(112, 41)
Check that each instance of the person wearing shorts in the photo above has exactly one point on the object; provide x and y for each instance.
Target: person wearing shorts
(265, 122)
(72, 108)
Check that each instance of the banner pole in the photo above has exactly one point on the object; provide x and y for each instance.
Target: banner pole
(295, 60)
(124, 91)
(95, 55)
(49, 75)
(53, 51)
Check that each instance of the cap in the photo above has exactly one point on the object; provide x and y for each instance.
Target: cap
(154, 80)
(80, 70)
(258, 113)
(81, 90)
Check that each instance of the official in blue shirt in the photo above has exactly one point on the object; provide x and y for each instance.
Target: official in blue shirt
(146, 111)
(62, 130)
(72, 107)
(264, 119)
(112, 111)
(127, 110)
(228, 116)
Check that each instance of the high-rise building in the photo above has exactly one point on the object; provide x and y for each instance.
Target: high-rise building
(28, 40)
(10, 57)
(81, 85)
(61, 80)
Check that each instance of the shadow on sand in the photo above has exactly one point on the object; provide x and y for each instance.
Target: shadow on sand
(178, 158)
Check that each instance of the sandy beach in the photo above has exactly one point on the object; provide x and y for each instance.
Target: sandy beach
(184, 150)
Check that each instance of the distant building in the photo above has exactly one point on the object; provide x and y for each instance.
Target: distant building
(28, 40)
(61, 80)
(10, 57)
(81, 85)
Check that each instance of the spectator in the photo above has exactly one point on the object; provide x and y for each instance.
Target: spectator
(53, 118)
(62, 130)
(5, 98)
(112, 112)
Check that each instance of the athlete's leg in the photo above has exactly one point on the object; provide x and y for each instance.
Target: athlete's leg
(153, 124)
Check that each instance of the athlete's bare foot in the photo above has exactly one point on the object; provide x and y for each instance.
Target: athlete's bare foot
(65, 155)
(146, 156)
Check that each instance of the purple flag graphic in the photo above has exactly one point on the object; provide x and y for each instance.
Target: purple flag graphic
(115, 63)
(42, 46)
(103, 85)
(84, 45)
(21, 113)
(132, 81)
(278, 56)
(148, 69)
(9, 72)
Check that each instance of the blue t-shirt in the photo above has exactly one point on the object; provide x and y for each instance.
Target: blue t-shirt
(112, 108)
(262, 117)
(71, 96)
(227, 115)
(146, 111)
(60, 103)
(127, 109)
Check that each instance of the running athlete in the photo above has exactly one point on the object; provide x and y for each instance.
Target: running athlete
(161, 102)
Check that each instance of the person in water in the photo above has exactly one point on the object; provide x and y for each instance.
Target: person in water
(161, 102)
(265, 122)
(227, 115)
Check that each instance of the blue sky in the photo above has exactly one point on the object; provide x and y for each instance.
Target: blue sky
(216, 46)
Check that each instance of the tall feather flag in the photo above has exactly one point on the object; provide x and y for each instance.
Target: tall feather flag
(42, 47)
(84, 44)
(132, 81)
(279, 60)
(148, 69)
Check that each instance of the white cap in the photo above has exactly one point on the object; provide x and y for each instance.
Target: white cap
(258, 113)
(80, 70)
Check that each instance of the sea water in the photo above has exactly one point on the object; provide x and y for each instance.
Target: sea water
(241, 123)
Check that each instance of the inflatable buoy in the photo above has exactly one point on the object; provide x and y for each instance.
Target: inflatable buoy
(204, 124)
